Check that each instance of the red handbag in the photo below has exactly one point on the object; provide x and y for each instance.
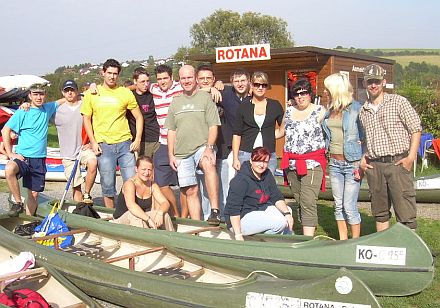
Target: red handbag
(23, 298)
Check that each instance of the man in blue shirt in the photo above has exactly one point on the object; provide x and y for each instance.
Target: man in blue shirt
(232, 97)
(29, 158)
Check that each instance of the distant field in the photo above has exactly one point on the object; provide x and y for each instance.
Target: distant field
(404, 60)
(403, 49)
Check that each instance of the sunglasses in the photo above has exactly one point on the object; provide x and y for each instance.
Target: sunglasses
(257, 85)
(374, 81)
(301, 93)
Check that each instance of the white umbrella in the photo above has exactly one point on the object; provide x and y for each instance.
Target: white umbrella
(21, 81)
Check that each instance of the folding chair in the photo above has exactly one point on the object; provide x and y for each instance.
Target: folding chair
(435, 149)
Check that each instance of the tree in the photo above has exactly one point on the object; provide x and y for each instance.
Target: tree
(427, 103)
(228, 28)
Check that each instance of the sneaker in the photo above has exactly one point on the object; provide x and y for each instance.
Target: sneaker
(214, 218)
(16, 209)
(87, 198)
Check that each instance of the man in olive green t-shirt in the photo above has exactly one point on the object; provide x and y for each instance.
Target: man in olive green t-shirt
(192, 124)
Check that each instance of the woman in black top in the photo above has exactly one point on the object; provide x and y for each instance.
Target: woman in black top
(141, 202)
(254, 203)
(255, 123)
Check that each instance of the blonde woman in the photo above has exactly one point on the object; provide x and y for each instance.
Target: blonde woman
(141, 202)
(255, 123)
(343, 133)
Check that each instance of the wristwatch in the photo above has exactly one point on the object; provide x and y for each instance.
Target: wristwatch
(287, 213)
(211, 146)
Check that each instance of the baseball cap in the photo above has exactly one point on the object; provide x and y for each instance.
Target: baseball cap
(70, 84)
(373, 71)
(37, 88)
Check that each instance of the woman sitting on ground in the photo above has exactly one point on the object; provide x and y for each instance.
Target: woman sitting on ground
(141, 203)
(254, 203)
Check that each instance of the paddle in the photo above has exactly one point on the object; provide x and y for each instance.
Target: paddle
(66, 190)
(72, 174)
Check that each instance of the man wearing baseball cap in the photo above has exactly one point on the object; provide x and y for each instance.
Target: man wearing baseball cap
(392, 136)
(69, 123)
(29, 159)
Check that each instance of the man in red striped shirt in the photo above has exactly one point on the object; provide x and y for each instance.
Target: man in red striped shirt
(163, 93)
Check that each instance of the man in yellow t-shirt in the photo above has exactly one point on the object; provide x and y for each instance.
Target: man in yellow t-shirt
(107, 127)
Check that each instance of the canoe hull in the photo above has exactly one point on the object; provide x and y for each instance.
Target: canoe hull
(410, 273)
(139, 289)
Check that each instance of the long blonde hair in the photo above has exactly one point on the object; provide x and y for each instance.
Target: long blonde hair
(340, 89)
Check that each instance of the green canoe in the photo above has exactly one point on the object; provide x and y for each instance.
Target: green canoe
(47, 281)
(395, 262)
(427, 189)
(131, 273)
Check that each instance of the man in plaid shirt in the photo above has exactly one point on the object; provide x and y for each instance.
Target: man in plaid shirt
(392, 135)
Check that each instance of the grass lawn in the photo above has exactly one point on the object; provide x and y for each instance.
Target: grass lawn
(52, 137)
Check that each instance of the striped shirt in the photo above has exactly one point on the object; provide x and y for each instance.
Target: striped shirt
(162, 101)
(388, 130)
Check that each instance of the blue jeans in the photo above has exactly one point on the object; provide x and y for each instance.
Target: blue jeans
(270, 221)
(345, 191)
(244, 156)
(225, 172)
(117, 154)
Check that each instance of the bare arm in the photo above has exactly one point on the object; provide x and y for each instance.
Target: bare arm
(6, 134)
(171, 139)
(236, 226)
(283, 208)
(129, 190)
(236, 140)
(136, 112)
(216, 95)
(87, 122)
(281, 130)
(212, 137)
(161, 205)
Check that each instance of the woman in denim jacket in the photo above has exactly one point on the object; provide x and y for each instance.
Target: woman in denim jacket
(343, 134)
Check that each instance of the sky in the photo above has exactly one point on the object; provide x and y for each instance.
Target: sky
(37, 36)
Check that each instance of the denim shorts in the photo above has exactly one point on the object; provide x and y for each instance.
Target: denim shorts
(187, 168)
(117, 154)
